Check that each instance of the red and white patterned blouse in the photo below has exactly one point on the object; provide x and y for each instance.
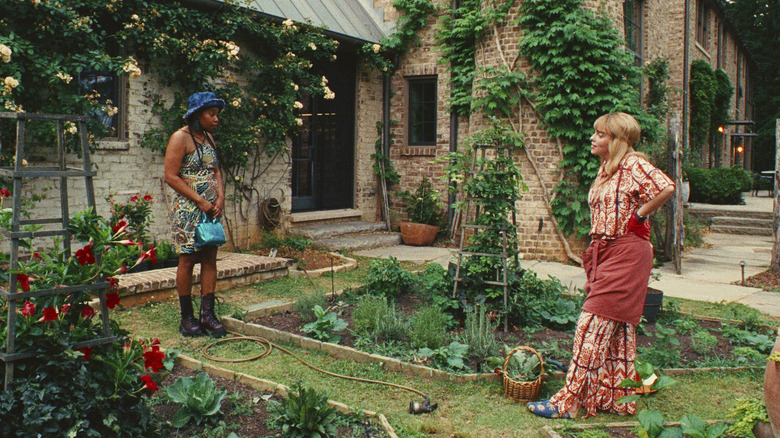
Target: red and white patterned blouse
(612, 204)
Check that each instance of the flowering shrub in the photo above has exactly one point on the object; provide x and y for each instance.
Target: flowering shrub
(137, 213)
(89, 391)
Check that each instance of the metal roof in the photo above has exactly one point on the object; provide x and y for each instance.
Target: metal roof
(353, 18)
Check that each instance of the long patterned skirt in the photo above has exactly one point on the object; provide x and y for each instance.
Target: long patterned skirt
(603, 356)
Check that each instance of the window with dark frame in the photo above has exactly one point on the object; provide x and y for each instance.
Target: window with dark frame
(702, 24)
(422, 111)
(106, 88)
(632, 22)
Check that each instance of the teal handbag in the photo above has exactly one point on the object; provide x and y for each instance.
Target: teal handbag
(209, 231)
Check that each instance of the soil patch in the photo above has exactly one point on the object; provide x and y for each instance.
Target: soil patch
(553, 344)
(307, 260)
(766, 280)
(243, 410)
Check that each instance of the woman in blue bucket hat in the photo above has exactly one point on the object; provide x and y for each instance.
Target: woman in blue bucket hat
(192, 170)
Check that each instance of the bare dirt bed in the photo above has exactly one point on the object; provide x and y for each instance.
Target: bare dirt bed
(291, 322)
(308, 259)
(766, 280)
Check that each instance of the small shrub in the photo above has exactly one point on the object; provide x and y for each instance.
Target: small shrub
(427, 328)
(702, 341)
(721, 185)
(305, 414)
(307, 302)
(391, 327)
(435, 281)
(368, 311)
(387, 278)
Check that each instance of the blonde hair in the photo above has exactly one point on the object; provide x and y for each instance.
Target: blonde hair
(625, 132)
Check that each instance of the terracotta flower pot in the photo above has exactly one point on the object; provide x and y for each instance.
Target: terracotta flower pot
(418, 234)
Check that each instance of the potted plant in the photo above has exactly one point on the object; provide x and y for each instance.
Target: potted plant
(424, 210)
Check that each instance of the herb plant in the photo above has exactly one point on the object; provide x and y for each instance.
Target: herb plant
(479, 333)
(428, 328)
(305, 413)
(423, 206)
(387, 278)
(326, 325)
(199, 399)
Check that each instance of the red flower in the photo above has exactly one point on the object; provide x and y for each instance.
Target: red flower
(112, 300)
(153, 359)
(24, 281)
(121, 226)
(148, 198)
(37, 256)
(28, 309)
(65, 308)
(87, 312)
(134, 198)
(84, 255)
(49, 314)
(4, 193)
(152, 254)
(149, 383)
(87, 352)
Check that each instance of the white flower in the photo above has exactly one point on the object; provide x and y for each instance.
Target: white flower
(10, 82)
(71, 128)
(290, 55)
(232, 49)
(288, 22)
(377, 48)
(324, 82)
(65, 77)
(236, 102)
(313, 46)
(5, 53)
(132, 68)
(111, 110)
(330, 95)
(334, 57)
(294, 85)
(299, 122)
(135, 17)
(298, 105)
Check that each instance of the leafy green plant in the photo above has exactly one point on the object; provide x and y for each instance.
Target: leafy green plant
(702, 341)
(435, 281)
(306, 303)
(651, 422)
(758, 341)
(536, 303)
(748, 355)
(387, 278)
(428, 328)
(199, 398)
(523, 366)
(664, 350)
(305, 413)
(721, 185)
(367, 312)
(449, 357)
(299, 243)
(746, 413)
(423, 206)
(326, 325)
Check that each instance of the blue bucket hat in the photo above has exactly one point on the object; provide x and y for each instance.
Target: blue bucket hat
(203, 100)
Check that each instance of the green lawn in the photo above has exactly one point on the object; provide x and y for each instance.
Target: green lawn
(465, 410)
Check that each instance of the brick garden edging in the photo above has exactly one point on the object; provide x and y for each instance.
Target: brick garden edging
(233, 269)
(276, 389)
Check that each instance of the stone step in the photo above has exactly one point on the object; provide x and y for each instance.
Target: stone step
(356, 242)
(731, 229)
(324, 231)
(706, 212)
(742, 222)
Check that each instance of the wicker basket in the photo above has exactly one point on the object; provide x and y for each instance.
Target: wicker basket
(522, 391)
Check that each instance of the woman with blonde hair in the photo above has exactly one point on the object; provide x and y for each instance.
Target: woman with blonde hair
(617, 263)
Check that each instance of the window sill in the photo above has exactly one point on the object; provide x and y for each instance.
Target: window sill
(112, 145)
(418, 151)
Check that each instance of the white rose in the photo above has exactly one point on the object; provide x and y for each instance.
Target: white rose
(377, 48)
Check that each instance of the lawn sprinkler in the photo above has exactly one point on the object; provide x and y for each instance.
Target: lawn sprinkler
(422, 408)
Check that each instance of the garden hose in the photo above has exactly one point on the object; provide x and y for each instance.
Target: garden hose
(414, 407)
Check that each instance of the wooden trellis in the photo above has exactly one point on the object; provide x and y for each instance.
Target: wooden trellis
(20, 172)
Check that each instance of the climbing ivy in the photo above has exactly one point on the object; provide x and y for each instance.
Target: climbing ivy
(582, 71)
(711, 93)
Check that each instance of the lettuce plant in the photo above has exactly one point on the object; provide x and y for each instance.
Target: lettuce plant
(199, 398)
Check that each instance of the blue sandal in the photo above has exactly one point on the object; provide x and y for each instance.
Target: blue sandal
(546, 410)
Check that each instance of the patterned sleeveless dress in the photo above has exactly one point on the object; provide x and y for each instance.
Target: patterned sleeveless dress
(198, 166)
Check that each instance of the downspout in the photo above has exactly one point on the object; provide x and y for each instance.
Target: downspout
(686, 79)
(451, 198)
(386, 93)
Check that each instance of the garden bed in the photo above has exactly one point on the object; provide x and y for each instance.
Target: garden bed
(554, 344)
(244, 409)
